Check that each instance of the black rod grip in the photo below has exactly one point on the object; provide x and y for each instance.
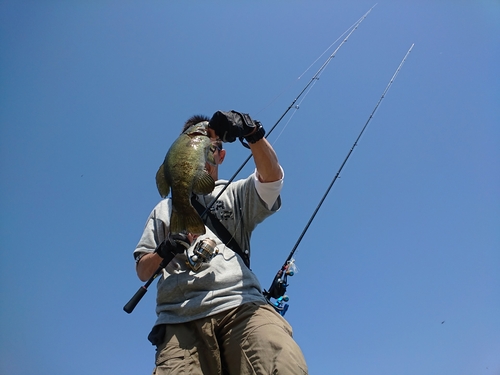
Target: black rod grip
(130, 306)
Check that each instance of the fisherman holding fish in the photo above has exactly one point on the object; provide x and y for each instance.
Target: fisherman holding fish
(212, 317)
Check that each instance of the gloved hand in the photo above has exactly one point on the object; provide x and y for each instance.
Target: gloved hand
(175, 244)
(231, 125)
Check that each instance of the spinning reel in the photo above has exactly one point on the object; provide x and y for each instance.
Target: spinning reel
(278, 287)
(203, 252)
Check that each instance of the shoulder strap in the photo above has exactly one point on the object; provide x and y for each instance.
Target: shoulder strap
(220, 230)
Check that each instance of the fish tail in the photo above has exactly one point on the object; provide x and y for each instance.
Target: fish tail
(189, 222)
(195, 225)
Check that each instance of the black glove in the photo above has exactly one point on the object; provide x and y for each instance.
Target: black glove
(231, 125)
(172, 245)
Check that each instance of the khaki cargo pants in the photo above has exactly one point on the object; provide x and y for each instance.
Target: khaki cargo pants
(250, 339)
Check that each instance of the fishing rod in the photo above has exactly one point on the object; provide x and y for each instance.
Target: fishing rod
(129, 307)
(292, 105)
(278, 287)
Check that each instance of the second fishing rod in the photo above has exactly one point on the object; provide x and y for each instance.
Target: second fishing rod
(279, 285)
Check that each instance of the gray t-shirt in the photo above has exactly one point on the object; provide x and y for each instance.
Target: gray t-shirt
(223, 283)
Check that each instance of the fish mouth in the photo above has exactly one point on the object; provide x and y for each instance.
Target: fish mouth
(198, 129)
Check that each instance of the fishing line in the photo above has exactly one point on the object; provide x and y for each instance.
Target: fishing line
(296, 108)
(278, 287)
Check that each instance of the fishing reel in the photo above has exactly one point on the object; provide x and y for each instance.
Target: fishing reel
(278, 287)
(203, 252)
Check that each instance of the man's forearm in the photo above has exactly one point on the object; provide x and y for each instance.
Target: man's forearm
(266, 161)
(147, 265)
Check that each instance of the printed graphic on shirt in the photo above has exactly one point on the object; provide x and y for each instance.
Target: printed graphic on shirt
(220, 211)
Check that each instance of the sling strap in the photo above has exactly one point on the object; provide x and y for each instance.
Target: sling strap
(212, 222)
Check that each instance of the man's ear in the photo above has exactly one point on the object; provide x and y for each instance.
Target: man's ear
(222, 155)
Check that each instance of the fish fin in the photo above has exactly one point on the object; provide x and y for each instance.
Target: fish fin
(161, 182)
(203, 183)
(187, 222)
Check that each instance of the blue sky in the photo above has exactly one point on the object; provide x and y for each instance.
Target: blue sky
(93, 93)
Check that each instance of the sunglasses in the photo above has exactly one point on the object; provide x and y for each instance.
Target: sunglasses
(216, 145)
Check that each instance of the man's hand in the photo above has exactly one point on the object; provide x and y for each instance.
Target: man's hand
(175, 244)
(232, 125)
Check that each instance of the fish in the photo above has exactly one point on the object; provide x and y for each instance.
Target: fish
(183, 173)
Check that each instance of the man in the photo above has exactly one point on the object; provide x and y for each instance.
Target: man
(214, 319)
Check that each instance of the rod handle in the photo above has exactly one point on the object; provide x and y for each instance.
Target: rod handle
(130, 306)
